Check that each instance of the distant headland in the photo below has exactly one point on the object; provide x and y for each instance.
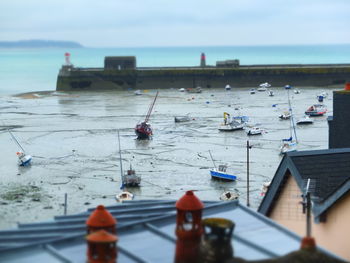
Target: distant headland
(37, 43)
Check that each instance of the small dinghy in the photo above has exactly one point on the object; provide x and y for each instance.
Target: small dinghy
(252, 91)
(182, 118)
(229, 196)
(271, 94)
(254, 131)
(305, 120)
(287, 86)
(296, 91)
(138, 92)
(285, 115)
(124, 196)
(182, 90)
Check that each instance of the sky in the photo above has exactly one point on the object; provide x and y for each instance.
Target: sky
(153, 23)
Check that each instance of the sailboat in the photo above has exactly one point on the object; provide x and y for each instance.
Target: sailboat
(290, 144)
(23, 158)
(130, 178)
(143, 130)
(125, 195)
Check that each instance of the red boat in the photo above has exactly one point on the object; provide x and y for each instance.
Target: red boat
(143, 130)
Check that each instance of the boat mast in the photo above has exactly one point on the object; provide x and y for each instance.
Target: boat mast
(292, 120)
(150, 108)
(121, 163)
(212, 160)
(14, 138)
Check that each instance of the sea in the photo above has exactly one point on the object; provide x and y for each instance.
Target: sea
(27, 70)
(72, 136)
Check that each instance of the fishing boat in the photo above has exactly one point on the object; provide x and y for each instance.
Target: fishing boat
(220, 172)
(143, 130)
(305, 120)
(316, 110)
(130, 178)
(227, 87)
(234, 124)
(254, 131)
(23, 158)
(229, 196)
(137, 92)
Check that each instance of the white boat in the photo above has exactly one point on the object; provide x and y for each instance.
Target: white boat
(252, 91)
(264, 86)
(23, 158)
(124, 196)
(254, 131)
(227, 87)
(229, 196)
(234, 124)
(296, 91)
(195, 90)
(138, 92)
(289, 147)
(182, 90)
(287, 86)
(305, 120)
(271, 94)
(285, 115)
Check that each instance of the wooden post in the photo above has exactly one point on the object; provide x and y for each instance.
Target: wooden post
(65, 204)
(248, 146)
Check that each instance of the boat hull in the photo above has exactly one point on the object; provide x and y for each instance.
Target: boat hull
(222, 176)
(25, 161)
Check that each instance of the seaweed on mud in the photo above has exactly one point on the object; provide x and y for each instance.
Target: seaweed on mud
(21, 192)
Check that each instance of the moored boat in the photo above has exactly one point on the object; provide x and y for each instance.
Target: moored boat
(229, 196)
(143, 130)
(23, 158)
(124, 196)
(220, 172)
(254, 131)
(316, 110)
(305, 120)
(264, 86)
(227, 87)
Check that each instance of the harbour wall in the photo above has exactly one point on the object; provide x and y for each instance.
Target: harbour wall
(71, 78)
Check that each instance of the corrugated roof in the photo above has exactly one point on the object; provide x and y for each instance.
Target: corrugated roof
(148, 239)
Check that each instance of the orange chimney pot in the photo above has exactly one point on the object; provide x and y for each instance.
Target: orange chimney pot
(101, 218)
(101, 247)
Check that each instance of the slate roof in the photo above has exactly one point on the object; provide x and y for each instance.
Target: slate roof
(144, 227)
(329, 170)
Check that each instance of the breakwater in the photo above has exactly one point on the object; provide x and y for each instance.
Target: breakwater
(123, 76)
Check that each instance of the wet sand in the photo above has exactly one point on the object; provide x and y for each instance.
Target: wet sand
(73, 140)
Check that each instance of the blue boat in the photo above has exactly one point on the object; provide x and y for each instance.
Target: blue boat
(220, 172)
(223, 175)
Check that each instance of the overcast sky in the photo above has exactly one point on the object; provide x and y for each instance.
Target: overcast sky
(130, 23)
